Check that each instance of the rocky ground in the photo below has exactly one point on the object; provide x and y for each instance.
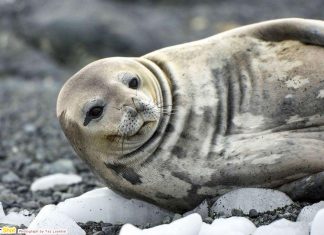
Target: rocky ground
(43, 42)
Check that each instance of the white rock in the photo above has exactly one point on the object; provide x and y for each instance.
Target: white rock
(308, 213)
(105, 205)
(207, 229)
(129, 229)
(245, 199)
(202, 210)
(14, 218)
(189, 225)
(50, 218)
(50, 181)
(283, 227)
(2, 214)
(318, 223)
(229, 226)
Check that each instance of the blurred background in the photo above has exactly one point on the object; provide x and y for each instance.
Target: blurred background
(43, 42)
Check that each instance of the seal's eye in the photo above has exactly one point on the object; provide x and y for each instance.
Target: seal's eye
(95, 112)
(133, 83)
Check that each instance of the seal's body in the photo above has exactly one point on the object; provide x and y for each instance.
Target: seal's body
(242, 108)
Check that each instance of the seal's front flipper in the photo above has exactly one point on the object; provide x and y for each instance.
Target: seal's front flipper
(307, 188)
(306, 31)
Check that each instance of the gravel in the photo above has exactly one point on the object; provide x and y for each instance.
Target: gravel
(100, 228)
(288, 212)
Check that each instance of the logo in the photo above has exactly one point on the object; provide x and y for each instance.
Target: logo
(8, 230)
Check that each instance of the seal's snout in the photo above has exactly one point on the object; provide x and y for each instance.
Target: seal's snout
(131, 122)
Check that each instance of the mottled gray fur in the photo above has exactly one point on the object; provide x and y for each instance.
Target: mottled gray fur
(244, 108)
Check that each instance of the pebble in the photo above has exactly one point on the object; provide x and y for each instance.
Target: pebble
(29, 128)
(7, 198)
(2, 156)
(10, 177)
(60, 166)
(45, 201)
(208, 220)
(50, 181)
(102, 224)
(30, 205)
(253, 213)
(65, 196)
(61, 187)
(113, 229)
(176, 217)
(166, 220)
(237, 212)
(33, 170)
(22, 189)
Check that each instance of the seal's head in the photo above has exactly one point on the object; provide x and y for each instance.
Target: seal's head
(110, 108)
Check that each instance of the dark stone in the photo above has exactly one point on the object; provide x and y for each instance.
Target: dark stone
(237, 212)
(253, 213)
(114, 229)
(208, 220)
(30, 205)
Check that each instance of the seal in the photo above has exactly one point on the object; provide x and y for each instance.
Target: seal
(243, 108)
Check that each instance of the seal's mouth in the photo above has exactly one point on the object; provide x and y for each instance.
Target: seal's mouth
(141, 131)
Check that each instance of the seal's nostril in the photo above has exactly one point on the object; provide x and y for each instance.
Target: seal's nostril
(132, 112)
(138, 104)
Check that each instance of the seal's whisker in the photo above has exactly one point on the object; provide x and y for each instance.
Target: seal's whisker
(118, 137)
(159, 106)
(168, 114)
(158, 103)
(165, 112)
(167, 109)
